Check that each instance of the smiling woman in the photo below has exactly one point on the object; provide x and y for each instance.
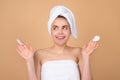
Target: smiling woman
(60, 30)
(63, 12)
(60, 61)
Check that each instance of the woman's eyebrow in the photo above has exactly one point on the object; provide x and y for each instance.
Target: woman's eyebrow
(58, 26)
(54, 25)
(65, 26)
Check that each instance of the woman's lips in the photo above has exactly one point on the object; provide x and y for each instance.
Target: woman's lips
(60, 37)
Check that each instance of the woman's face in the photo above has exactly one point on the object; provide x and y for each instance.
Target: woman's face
(60, 31)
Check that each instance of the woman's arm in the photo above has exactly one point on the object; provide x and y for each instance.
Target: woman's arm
(27, 53)
(84, 60)
(31, 70)
(85, 70)
(37, 64)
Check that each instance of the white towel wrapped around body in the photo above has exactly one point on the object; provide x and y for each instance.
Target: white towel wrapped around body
(60, 70)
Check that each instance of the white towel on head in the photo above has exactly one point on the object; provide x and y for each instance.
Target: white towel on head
(65, 12)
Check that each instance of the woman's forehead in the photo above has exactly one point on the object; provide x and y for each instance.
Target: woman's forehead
(60, 21)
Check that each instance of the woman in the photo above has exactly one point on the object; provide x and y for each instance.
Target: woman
(60, 61)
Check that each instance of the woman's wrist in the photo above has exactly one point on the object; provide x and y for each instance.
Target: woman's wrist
(30, 61)
(85, 58)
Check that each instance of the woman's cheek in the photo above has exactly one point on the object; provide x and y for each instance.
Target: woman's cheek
(67, 32)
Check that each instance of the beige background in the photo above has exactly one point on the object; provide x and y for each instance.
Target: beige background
(27, 20)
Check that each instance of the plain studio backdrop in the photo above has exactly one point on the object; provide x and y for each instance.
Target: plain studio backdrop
(27, 20)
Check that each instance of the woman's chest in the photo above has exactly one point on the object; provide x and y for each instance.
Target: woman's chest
(53, 56)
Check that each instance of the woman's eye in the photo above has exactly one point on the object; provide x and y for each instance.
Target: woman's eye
(65, 27)
(54, 28)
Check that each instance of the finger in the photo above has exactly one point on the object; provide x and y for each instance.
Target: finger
(96, 46)
(92, 44)
(30, 47)
(89, 45)
(18, 51)
(20, 48)
(21, 44)
(85, 46)
(24, 46)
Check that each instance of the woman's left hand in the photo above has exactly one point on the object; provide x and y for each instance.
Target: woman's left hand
(88, 49)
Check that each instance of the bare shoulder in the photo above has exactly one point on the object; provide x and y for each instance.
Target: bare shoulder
(76, 50)
(41, 51)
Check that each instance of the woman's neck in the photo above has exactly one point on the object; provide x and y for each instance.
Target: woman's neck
(59, 48)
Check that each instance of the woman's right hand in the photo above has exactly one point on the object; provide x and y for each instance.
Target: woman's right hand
(25, 51)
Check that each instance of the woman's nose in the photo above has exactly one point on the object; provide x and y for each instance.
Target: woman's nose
(60, 31)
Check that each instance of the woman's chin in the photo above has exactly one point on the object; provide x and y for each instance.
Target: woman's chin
(60, 42)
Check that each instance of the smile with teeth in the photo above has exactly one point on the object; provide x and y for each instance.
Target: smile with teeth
(60, 37)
